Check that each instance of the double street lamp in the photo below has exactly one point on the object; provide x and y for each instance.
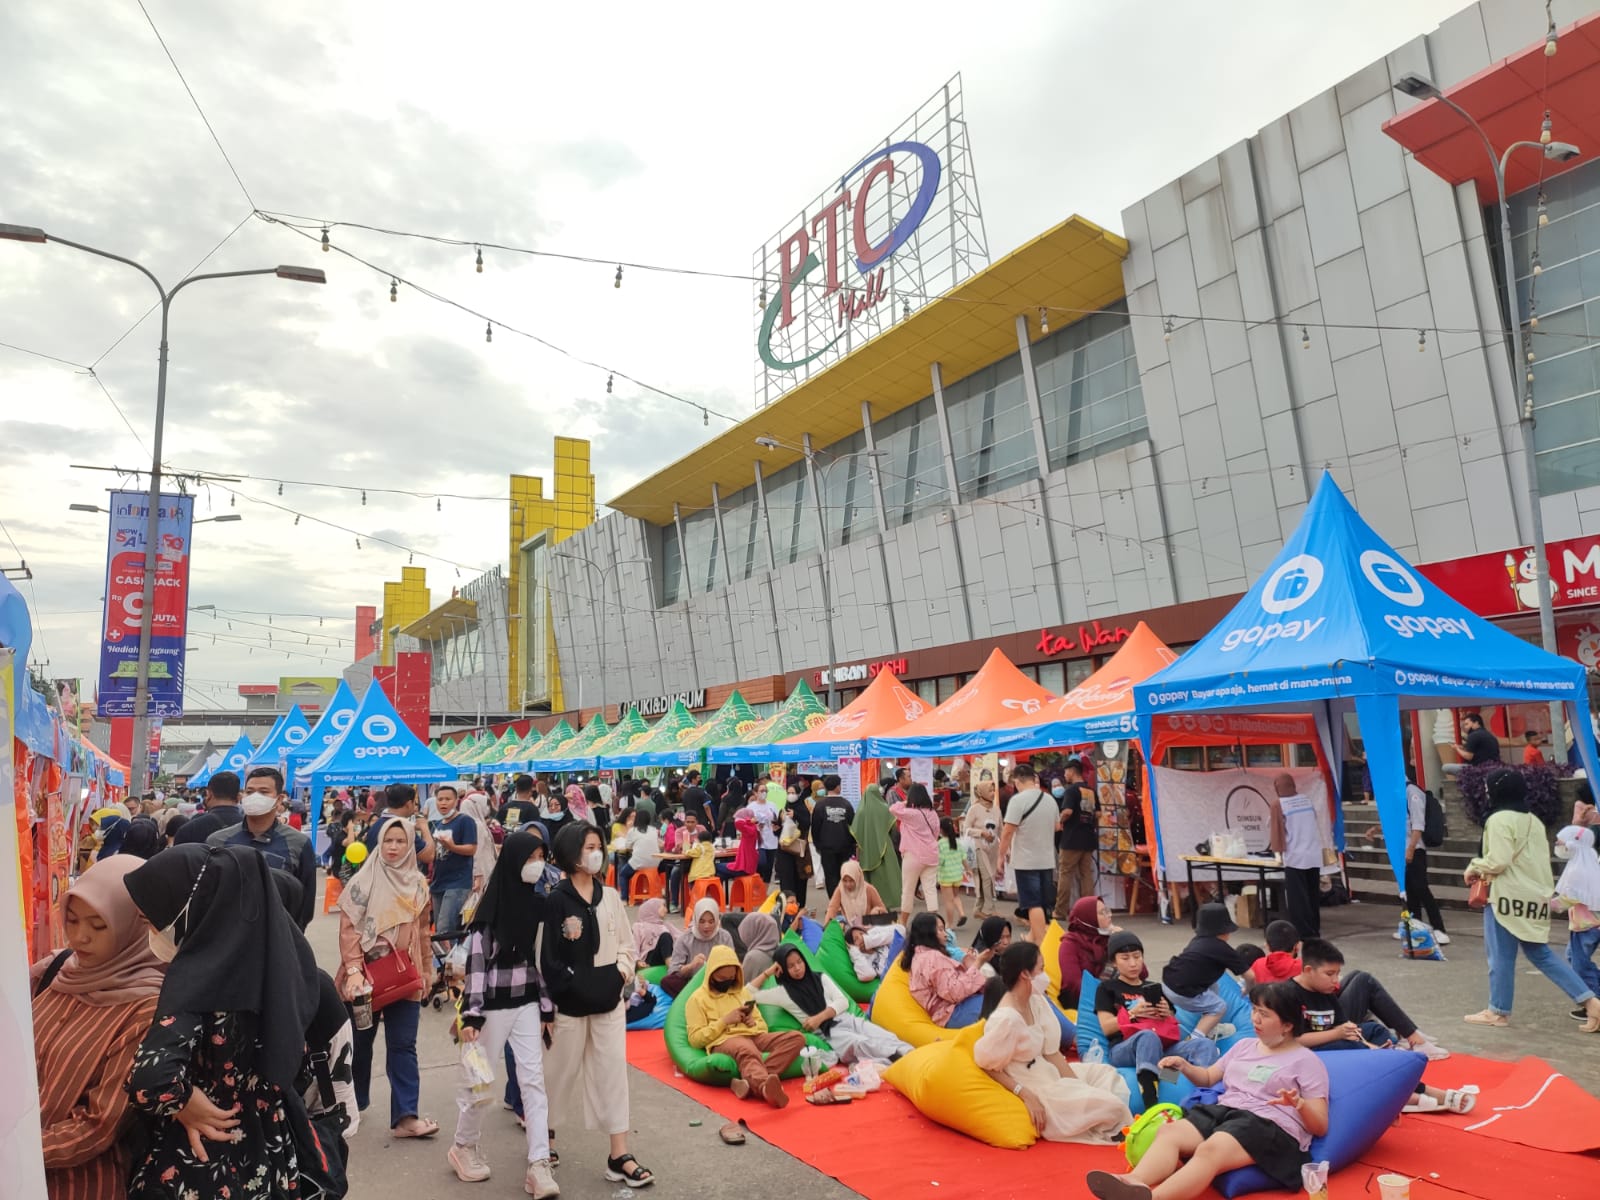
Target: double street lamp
(95, 508)
(1421, 88)
(600, 634)
(141, 696)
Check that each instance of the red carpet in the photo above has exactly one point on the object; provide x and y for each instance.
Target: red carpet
(884, 1149)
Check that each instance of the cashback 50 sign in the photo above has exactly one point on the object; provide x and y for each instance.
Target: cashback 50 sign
(124, 604)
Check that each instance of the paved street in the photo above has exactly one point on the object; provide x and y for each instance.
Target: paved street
(684, 1154)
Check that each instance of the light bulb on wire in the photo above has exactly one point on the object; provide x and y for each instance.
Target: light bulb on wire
(325, 247)
(394, 290)
(1550, 40)
(1422, 340)
(1305, 338)
(480, 260)
(610, 379)
(1537, 268)
(1545, 129)
(1544, 215)
(1166, 330)
(1044, 320)
(488, 331)
(617, 282)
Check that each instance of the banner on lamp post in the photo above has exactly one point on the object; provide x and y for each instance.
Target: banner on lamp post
(119, 647)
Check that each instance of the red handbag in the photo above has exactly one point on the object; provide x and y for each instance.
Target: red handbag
(393, 977)
(1478, 893)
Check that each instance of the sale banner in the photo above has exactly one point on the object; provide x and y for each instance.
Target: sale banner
(125, 563)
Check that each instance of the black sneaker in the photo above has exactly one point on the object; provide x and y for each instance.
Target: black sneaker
(1579, 1014)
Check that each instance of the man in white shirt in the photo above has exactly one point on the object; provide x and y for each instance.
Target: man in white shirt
(646, 853)
(1028, 843)
(1297, 840)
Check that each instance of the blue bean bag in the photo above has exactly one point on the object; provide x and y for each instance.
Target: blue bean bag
(810, 932)
(1238, 1014)
(968, 1012)
(1089, 1035)
(656, 1018)
(1366, 1091)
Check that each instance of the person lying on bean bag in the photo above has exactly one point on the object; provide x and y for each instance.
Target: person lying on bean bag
(1276, 1100)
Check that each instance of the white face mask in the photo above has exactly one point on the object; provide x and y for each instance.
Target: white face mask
(593, 861)
(162, 945)
(1040, 983)
(532, 871)
(254, 804)
(1563, 851)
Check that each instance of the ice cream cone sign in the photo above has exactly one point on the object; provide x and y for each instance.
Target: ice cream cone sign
(1523, 577)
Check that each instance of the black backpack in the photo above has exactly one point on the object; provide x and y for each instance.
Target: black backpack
(1434, 828)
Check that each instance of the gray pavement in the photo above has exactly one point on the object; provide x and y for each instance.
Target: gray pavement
(683, 1154)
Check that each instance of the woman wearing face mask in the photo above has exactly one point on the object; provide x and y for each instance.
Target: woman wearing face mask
(919, 850)
(587, 963)
(504, 1003)
(793, 856)
(1021, 1049)
(218, 1065)
(383, 909)
(92, 1004)
(1084, 948)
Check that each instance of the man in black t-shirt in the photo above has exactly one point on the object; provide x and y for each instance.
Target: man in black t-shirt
(222, 810)
(520, 806)
(830, 832)
(1138, 1020)
(695, 799)
(1352, 1012)
(1075, 839)
(1479, 746)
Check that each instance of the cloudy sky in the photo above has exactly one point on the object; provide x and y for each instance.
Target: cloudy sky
(681, 134)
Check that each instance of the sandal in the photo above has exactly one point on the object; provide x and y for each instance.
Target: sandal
(428, 1127)
(618, 1171)
(732, 1134)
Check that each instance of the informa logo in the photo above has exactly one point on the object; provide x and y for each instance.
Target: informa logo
(901, 226)
(1292, 584)
(1391, 577)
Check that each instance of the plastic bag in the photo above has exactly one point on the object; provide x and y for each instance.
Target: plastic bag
(478, 1072)
(456, 961)
(867, 1075)
(1417, 940)
(1315, 1177)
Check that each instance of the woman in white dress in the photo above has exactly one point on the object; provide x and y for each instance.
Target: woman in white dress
(820, 1005)
(1021, 1049)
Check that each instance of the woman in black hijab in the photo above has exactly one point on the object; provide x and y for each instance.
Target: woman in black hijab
(505, 1005)
(217, 1068)
(143, 838)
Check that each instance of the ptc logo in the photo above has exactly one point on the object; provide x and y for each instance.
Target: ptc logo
(1389, 575)
(377, 728)
(1292, 584)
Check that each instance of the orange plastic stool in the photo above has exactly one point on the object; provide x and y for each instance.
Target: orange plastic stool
(644, 885)
(702, 889)
(748, 892)
(331, 891)
(611, 876)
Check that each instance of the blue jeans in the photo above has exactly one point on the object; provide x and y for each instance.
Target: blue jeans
(399, 1020)
(624, 873)
(1503, 947)
(447, 907)
(675, 878)
(1580, 956)
(1207, 1002)
(1143, 1051)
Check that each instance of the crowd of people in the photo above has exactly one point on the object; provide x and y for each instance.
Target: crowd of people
(189, 1045)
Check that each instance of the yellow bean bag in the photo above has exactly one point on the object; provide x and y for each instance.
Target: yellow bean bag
(1050, 950)
(897, 1010)
(946, 1085)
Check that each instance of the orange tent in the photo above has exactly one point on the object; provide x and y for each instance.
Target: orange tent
(885, 704)
(1102, 705)
(996, 696)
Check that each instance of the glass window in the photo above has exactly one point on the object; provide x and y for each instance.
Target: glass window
(1089, 387)
(794, 523)
(1078, 670)
(928, 690)
(671, 565)
(947, 687)
(1305, 755)
(910, 462)
(844, 473)
(747, 541)
(1263, 756)
(1219, 758)
(1566, 367)
(1053, 676)
(1186, 758)
(989, 430)
(705, 555)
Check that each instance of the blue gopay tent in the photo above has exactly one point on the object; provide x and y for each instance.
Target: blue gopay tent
(329, 728)
(1340, 622)
(286, 736)
(234, 759)
(376, 747)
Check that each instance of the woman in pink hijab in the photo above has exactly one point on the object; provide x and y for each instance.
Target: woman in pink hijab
(577, 804)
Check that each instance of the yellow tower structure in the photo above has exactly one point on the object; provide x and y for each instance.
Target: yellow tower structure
(538, 524)
(403, 603)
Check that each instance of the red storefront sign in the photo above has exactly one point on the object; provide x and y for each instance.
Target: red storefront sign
(1502, 584)
(1088, 639)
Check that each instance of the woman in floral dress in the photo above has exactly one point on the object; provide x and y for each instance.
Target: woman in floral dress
(229, 1031)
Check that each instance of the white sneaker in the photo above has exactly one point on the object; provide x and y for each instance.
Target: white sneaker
(1223, 1031)
(539, 1182)
(469, 1163)
(1441, 937)
(1431, 1050)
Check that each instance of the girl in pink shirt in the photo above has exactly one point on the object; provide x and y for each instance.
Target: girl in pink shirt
(919, 850)
(938, 982)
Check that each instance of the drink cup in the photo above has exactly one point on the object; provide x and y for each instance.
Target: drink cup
(1315, 1177)
(1394, 1187)
(361, 1011)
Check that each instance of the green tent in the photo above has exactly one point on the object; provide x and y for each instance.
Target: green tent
(572, 756)
(537, 743)
(631, 725)
(491, 758)
(723, 729)
(667, 734)
(800, 712)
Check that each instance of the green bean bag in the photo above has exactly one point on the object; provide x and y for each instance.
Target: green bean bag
(653, 974)
(714, 1068)
(781, 1018)
(832, 958)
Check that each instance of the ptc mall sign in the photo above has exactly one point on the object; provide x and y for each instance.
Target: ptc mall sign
(901, 227)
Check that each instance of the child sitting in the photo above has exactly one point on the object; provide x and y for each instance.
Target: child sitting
(1283, 958)
(1139, 1022)
(1190, 978)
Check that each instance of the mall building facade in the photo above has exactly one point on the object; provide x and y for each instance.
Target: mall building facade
(1098, 429)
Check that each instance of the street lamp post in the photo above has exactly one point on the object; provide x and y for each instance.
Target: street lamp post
(141, 695)
(599, 633)
(821, 468)
(1423, 89)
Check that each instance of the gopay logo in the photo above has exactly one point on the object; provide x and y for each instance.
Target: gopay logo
(377, 728)
(295, 736)
(1292, 584)
(342, 719)
(1390, 576)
